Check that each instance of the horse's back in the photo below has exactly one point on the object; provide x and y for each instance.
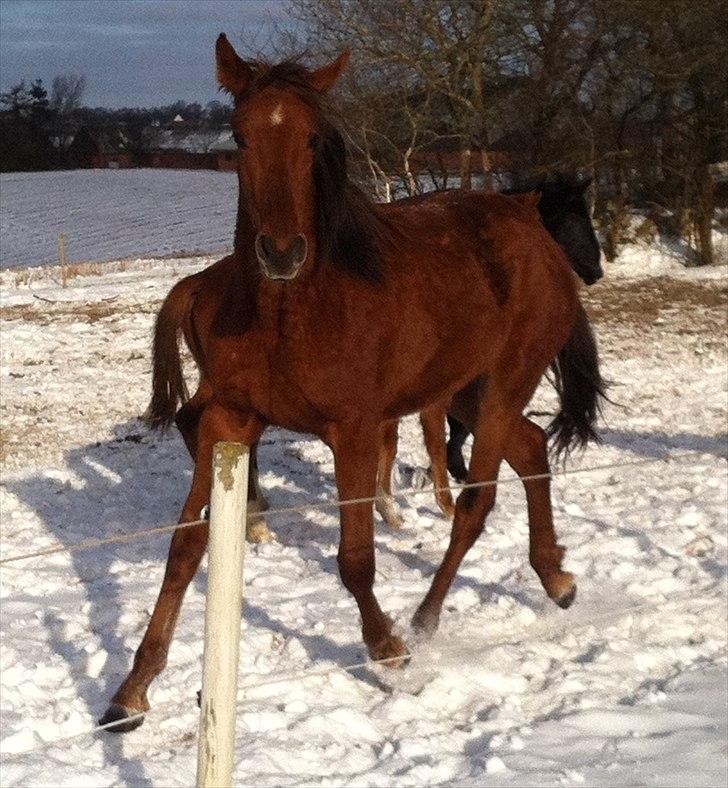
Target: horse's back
(462, 231)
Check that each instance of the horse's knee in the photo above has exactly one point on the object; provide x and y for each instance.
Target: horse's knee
(471, 509)
(356, 569)
(476, 502)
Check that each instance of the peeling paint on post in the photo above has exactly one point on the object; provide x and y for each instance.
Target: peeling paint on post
(228, 499)
(225, 461)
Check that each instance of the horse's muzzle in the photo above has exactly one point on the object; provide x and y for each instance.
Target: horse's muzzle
(592, 275)
(280, 262)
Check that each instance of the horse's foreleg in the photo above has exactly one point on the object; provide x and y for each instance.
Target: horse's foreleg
(385, 503)
(187, 421)
(527, 454)
(432, 420)
(256, 529)
(188, 545)
(472, 507)
(356, 449)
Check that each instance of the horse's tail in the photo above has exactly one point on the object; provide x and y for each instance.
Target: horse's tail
(168, 383)
(580, 388)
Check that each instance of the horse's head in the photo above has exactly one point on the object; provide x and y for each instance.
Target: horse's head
(291, 158)
(566, 215)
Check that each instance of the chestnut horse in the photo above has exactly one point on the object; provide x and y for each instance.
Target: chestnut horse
(335, 316)
(565, 214)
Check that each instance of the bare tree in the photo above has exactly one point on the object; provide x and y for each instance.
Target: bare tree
(66, 93)
(427, 51)
(632, 91)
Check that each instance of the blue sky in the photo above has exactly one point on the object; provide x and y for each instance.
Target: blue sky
(132, 52)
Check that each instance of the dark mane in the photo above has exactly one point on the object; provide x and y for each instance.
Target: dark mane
(347, 228)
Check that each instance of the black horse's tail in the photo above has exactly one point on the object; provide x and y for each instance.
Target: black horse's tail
(580, 388)
(168, 383)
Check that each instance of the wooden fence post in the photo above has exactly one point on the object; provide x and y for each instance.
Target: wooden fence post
(62, 259)
(218, 707)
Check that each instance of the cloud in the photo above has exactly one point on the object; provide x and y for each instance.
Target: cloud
(134, 53)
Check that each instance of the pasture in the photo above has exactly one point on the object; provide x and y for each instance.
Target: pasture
(625, 687)
(112, 214)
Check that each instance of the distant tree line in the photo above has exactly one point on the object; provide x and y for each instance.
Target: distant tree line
(37, 130)
(631, 92)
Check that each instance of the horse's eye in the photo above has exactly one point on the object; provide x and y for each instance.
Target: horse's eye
(239, 140)
(313, 141)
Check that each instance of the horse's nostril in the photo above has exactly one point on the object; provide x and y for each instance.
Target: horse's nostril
(267, 245)
(281, 260)
(298, 248)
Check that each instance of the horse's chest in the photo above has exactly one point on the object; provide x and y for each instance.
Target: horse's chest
(289, 384)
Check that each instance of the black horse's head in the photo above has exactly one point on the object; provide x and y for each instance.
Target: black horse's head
(565, 214)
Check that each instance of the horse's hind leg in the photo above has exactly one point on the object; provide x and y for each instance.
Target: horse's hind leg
(256, 529)
(527, 454)
(433, 429)
(384, 503)
(188, 545)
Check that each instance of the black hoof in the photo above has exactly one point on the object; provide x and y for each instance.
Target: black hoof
(566, 600)
(425, 623)
(127, 719)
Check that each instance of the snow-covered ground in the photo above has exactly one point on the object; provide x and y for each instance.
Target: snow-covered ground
(627, 687)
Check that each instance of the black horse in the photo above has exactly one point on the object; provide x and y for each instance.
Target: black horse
(565, 214)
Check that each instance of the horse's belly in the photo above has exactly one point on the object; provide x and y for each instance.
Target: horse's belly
(434, 367)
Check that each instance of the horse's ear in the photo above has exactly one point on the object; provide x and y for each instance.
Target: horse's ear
(324, 78)
(233, 73)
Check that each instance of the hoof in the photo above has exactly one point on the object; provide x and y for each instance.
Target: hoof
(425, 622)
(127, 719)
(566, 599)
(388, 510)
(561, 587)
(447, 506)
(392, 649)
(258, 532)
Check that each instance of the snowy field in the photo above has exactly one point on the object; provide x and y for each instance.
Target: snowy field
(627, 687)
(121, 214)
(112, 214)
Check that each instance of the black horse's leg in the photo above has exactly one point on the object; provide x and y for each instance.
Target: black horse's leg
(455, 461)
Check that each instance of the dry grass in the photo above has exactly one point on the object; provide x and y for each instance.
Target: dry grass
(44, 314)
(642, 302)
(62, 274)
